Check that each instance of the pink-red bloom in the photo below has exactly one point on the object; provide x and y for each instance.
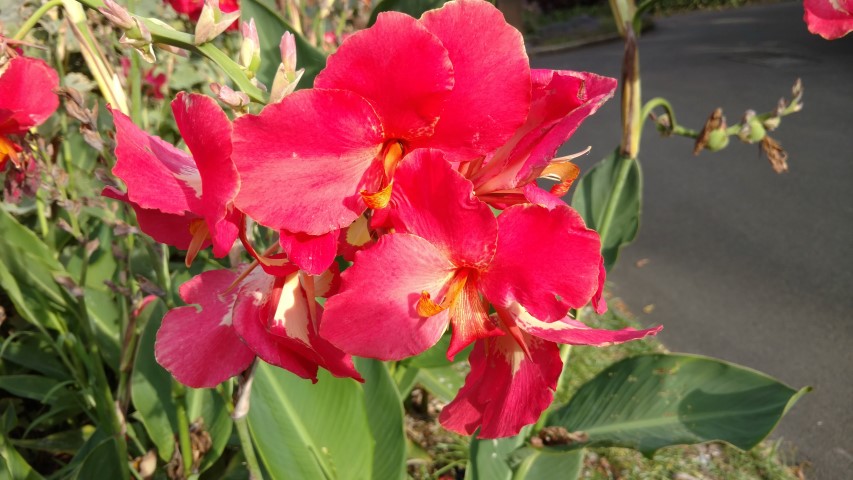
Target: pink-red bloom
(27, 99)
(192, 8)
(449, 261)
(180, 199)
(830, 19)
(314, 162)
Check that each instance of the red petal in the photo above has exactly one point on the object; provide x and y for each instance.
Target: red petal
(546, 260)
(313, 254)
(26, 94)
(506, 389)
(830, 19)
(199, 347)
(207, 132)
(374, 314)
(433, 201)
(408, 91)
(158, 175)
(491, 93)
(302, 162)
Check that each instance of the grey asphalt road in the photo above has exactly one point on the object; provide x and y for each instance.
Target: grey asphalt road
(743, 264)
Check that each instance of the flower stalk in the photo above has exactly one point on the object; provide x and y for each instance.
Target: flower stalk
(34, 19)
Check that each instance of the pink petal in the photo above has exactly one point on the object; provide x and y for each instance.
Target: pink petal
(491, 94)
(158, 175)
(312, 253)
(207, 132)
(435, 202)
(598, 301)
(407, 90)
(26, 94)
(546, 260)
(168, 228)
(506, 389)
(470, 319)
(302, 162)
(571, 331)
(830, 19)
(374, 314)
(541, 197)
(199, 347)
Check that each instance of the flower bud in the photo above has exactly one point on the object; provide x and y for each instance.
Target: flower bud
(139, 38)
(236, 100)
(212, 21)
(117, 15)
(284, 83)
(288, 52)
(250, 49)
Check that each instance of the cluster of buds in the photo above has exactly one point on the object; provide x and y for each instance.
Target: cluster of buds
(136, 34)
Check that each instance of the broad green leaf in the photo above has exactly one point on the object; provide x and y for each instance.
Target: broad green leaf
(593, 193)
(102, 462)
(414, 8)
(436, 356)
(46, 390)
(68, 442)
(545, 463)
(271, 26)
(151, 386)
(27, 272)
(305, 430)
(491, 459)
(209, 405)
(385, 417)
(32, 352)
(12, 465)
(442, 382)
(657, 400)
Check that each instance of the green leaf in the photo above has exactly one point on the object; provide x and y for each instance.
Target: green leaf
(68, 442)
(271, 26)
(102, 462)
(151, 386)
(385, 417)
(442, 382)
(31, 351)
(546, 463)
(593, 193)
(27, 271)
(208, 405)
(414, 8)
(46, 390)
(302, 430)
(491, 459)
(436, 356)
(12, 464)
(653, 401)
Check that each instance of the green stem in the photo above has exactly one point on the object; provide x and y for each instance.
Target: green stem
(183, 427)
(240, 417)
(34, 19)
(135, 82)
(659, 102)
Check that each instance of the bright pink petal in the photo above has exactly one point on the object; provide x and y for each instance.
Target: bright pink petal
(312, 253)
(830, 19)
(598, 301)
(407, 90)
(470, 319)
(199, 347)
(571, 331)
(26, 94)
(302, 161)
(374, 314)
(506, 389)
(253, 311)
(491, 93)
(546, 260)
(435, 202)
(158, 175)
(171, 229)
(541, 197)
(207, 132)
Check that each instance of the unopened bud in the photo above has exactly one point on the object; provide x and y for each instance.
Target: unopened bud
(284, 83)
(139, 38)
(212, 21)
(236, 100)
(117, 15)
(288, 52)
(250, 49)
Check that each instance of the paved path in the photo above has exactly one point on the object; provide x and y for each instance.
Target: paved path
(743, 264)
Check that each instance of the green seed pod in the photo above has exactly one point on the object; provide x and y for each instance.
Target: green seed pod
(717, 140)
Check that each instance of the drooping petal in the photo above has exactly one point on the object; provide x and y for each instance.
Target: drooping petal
(546, 260)
(312, 253)
(27, 95)
(207, 132)
(408, 91)
(598, 301)
(830, 19)
(158, 175)
(169, 228)
(435, 202)
(374, 314)
(506, 389)
(302, 161)
(572, 332)
(470, 319)
(491, 93)
(199, 347)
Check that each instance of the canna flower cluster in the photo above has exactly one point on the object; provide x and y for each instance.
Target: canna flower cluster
(414, 157)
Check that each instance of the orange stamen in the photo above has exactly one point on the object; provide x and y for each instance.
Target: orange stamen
(200, 233)
(426, 307)
(8, 150)
(565, 173)
(393, 155)
(380, 199)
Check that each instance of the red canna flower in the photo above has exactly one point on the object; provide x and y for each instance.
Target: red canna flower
(27, 99)
(336, 147)
(180, 199)
(830, 19)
